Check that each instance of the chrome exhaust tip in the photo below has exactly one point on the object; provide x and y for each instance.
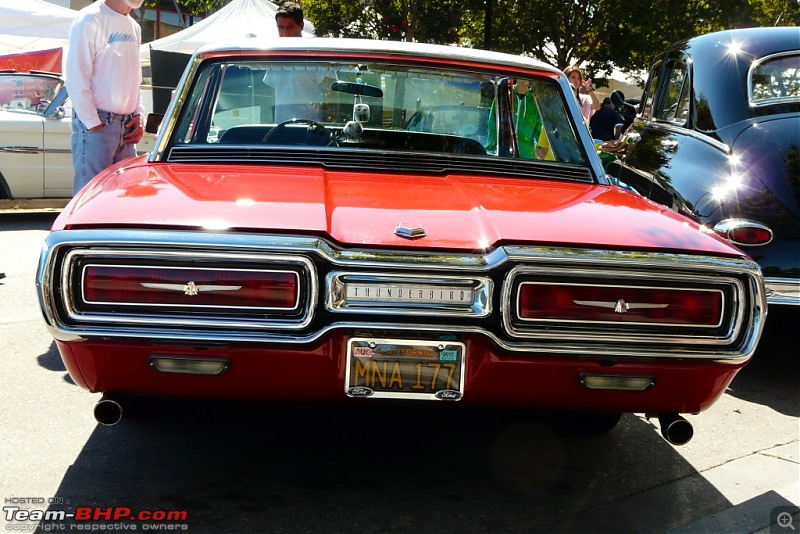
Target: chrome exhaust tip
(108, 411)
(675, 428)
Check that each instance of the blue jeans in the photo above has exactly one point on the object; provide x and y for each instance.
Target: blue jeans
(94, 151)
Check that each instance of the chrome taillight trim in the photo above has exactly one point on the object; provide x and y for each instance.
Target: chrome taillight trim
(479, 306)
(305, 269)
(567, 321)
(725, 227)
(190, 306)
(589, 331)
(749, 304)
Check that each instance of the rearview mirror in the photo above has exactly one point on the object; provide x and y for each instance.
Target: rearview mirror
(153, 122)
(357, 89)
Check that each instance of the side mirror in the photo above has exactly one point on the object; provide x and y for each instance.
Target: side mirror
(153, 122)
(58, 114)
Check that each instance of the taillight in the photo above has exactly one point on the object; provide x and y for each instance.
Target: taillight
(744, 232)
(192, 287)
(619, 304)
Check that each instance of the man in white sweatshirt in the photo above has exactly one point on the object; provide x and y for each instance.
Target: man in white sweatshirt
(103, 75)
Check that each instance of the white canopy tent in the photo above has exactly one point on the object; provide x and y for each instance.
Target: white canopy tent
(239, 19)
(27, 25)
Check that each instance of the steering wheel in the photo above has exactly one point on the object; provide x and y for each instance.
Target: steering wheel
(316, 134)
(41, 107)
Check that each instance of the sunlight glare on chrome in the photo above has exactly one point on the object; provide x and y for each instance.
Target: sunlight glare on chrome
(245, 201)
(734, 160)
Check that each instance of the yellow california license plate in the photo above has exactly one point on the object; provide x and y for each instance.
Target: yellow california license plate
(403, 368)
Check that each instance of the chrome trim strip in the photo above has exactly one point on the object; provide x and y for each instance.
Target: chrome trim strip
(567, 349)
(71, 258)
(21, 149)
(480, 306)
(74, 313)
(750, 302)
(611, 305)
(783, 291)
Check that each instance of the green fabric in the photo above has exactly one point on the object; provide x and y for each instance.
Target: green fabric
(527, 123)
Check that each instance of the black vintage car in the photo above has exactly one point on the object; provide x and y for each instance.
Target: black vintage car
(717, 138)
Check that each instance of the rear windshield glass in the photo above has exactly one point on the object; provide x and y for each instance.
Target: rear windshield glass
(383, 106)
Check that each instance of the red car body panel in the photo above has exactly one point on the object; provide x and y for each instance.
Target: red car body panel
(317, 373)
(458, 212)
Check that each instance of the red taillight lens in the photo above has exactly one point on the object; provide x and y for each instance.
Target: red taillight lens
(750, 236)
(161, 286)
(744, 232)
(618, 304)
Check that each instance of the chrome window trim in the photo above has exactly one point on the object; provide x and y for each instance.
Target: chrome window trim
(733, 330)
(753, 66)
(188, 306)
(74, 313)
(481, 305)
(235, 245)
(519, 317)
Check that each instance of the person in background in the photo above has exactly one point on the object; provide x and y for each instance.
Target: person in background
(626, 111)
(584, 92)
(103, 78)
(526, 119)
(289, 19)
(606, 124)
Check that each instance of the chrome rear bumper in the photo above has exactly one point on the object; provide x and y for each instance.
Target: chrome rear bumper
(783, 291)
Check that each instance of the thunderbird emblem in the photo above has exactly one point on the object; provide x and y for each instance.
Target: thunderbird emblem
(190, 288)
(409, 232)
(620, 306)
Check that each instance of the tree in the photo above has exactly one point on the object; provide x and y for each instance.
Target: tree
(601, 34)
(395, 20)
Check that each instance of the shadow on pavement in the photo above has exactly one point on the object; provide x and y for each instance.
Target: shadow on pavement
(245, 467)
(771, 378)
(27, 220)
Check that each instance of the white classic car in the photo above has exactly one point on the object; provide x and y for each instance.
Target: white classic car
(35, 130)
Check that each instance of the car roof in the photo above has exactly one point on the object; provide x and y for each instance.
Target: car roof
(755, 42)
(720, 62)
(314, 45)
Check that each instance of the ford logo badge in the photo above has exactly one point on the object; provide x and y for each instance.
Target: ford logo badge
(449, 395)
(359, 391)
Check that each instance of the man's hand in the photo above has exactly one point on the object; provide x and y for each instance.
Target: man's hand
(134, 130)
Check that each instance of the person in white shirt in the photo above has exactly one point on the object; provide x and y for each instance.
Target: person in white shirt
(103, 78)
(299, 92)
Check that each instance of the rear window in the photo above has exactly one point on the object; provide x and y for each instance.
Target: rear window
(775, 80)
(381, 107)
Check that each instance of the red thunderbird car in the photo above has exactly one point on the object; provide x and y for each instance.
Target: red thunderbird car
(288, 238)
